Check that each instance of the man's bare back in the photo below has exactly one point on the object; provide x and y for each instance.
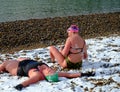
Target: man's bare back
(10, 66)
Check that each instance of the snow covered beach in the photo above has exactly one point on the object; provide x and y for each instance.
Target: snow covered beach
(104, 58)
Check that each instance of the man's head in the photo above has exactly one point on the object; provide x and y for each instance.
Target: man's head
(46, 70)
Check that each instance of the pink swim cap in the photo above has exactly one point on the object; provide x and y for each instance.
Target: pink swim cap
(73, 28)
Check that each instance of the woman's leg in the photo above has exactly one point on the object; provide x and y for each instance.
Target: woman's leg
(55, 54)
(69, 75)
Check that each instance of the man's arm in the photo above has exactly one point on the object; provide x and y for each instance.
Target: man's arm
(31, 80)
(35, 77)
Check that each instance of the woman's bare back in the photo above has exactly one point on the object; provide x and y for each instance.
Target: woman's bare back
(76, 42)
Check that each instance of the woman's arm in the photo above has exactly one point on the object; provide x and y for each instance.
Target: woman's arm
(66, 48)
(85, 51)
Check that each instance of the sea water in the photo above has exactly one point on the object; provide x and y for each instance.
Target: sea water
(11, 10)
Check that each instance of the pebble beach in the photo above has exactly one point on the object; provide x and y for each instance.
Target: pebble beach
(35, 33)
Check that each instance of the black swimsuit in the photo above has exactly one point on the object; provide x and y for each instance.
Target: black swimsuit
(25, 65)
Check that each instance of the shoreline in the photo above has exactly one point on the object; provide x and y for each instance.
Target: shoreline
(36, 33)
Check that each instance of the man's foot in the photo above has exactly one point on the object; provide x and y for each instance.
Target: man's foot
(88, 74)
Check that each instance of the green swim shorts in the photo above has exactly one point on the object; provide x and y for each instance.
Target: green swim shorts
(52, 78)
(73, 65)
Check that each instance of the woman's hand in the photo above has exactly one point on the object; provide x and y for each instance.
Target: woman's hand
(61, 48)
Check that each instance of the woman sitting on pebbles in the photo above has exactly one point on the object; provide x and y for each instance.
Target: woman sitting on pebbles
(36, 71)
(73, 52)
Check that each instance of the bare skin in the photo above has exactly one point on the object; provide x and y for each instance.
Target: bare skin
(34, 76)
(74, 40)
(48, 71)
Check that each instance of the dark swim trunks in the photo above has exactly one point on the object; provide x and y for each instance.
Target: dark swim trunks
(25, 65)
(73, 65)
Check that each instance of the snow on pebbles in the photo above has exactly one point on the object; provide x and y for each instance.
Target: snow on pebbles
(104, 59)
